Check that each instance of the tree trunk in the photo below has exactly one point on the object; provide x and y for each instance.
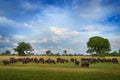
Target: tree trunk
(21, 53)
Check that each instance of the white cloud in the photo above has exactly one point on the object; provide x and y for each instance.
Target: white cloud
(11, 23)
(95, 11)
(4, 39)
(77, 41)
(58, 31)
(89, 28)
(43, 40)
(115, 41)
(19, 37)
(27, 25)
(33, 41)
(98, 27)
(55, 39)
(1, 37)
(74, 33)
(15, 44)
(5, 20)
(7, 40)
(37, 40)
(29, 6)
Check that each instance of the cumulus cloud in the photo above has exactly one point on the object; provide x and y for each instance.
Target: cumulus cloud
(55, 39)
(43, 40)
(99, 27)
(28, 5)
(13, 24)
(18, 37)
(74, 33)
(27, 25)
(4, 39)
(57, 30)
(4, 20)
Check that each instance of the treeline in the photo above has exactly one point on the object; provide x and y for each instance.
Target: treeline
(115, 53)
(58, 54)
(50, 53)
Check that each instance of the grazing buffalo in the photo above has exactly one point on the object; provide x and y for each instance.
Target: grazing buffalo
(115, 60)
(36, 60)
(13, 60)
(60, 60)
(50, 61)
(73, 60)
(25, 61)
(77, 63)
(6, 62)
(41, 60)
(85, 64)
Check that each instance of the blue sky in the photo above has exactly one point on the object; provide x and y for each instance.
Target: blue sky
(57, 25)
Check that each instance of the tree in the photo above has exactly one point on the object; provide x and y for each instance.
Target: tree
(98, 44)
(23, 48)
(65, 52)
(57, 54)
(119, 51)
(48, 52)
(7, 52)
(115, 53)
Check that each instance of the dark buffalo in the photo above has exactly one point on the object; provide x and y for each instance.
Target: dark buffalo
(77, 63)
(115, 60)
(41, 60)
(50, 61)
(13, 60)
(36, 60)
(6, 62)
(61, 60)
(72, 59)
(25, 61)
(85, 64)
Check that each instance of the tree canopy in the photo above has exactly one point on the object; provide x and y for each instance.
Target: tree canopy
(65, 52)
(23, 48)
(98, 44)
(48, 52)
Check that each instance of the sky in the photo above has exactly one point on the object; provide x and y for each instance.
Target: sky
(58, 25)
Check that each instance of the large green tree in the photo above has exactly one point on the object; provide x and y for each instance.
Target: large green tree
(23, 48)
(98, 45)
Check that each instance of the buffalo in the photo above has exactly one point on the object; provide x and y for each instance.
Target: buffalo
(85, 64)
(6, 62)
(114, 60)
(77, 63)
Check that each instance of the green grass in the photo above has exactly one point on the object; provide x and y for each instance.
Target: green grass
(66, 71)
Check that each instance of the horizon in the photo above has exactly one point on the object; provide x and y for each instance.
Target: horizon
(58, 25)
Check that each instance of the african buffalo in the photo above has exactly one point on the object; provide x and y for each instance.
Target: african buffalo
(6, 62)
(77, 63)
(114, 60)
(85, 64)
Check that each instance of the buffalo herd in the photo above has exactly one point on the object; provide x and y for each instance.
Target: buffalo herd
(83, 62)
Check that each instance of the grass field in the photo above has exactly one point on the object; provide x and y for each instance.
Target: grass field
(66, 71)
